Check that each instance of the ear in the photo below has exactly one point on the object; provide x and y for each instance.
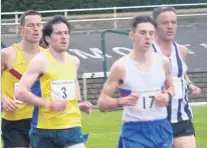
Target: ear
(47, 39)
(20, 29)
(131, 35)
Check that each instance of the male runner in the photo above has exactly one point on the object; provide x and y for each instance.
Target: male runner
(145, 84)
(14, 61)
(56, 121)
(179, 110)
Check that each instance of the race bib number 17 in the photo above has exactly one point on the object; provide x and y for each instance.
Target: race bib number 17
(147, 99)
(63, 90)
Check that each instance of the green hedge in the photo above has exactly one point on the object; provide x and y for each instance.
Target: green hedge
(22, 5)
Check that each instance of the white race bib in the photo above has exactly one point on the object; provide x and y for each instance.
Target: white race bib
(147, 99)
(178, 88)
(63, 90)
(15, 87)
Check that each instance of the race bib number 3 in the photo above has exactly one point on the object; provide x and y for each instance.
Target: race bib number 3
(63, 90)
(178, 88)
(147, 99)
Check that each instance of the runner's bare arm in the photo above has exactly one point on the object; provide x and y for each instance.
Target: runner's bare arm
(4, 57)
(105, 101)
(84, 106)
(168, 74)
(184, 52)
(34, 70)
(8, 104)
(7, 57)
(195, 90)
(76, 62)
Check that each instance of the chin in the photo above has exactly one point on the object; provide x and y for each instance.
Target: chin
(169, 38)
(35, 41)
(62, 50)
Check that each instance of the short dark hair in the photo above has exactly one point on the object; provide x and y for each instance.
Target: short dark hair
(141, 19)
(48, 28)
(26, 13)
(157, 11)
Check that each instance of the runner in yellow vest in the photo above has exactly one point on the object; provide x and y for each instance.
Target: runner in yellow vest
(56, 120)
(17, 116)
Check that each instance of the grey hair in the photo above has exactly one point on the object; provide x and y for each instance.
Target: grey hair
(157, 11)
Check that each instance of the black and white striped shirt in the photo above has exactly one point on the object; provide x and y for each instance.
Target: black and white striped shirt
(178, 109)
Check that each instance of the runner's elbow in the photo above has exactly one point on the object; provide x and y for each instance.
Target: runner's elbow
(101, 105)
(19, 94)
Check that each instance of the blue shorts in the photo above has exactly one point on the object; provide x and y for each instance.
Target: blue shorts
(52, 138)
(149, 134)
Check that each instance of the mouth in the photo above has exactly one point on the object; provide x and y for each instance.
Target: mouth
(170, 32)
(36, 35)
(147, 43)
(63, 43)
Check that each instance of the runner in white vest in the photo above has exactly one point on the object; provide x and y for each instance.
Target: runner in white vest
(145, 85)
(179, 110)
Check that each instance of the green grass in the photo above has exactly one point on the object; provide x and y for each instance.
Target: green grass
(104, 128)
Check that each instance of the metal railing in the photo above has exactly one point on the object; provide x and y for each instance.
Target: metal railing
(113, 9)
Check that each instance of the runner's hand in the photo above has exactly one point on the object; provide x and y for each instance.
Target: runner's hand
(162, 99)
(130, 100)
(58, 105)
(9, 105)
(85, 106)
(195, 91)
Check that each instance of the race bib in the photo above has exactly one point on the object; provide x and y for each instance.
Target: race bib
(15, 87)
(63, 90)
(178, 88)
(147, 99)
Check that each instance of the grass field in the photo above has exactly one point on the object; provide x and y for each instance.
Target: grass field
(104, 128)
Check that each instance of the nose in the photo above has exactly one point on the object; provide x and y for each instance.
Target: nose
(63, 35)
(170, 25)
(35, 27)
(148, 35)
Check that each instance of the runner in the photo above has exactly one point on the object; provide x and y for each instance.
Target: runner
(179, 110)
(56, 121)
(16, 116)
(145, 85)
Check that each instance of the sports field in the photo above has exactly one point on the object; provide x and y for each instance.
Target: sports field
(104, 128)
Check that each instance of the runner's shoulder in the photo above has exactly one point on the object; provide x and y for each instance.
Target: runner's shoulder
(7, 54)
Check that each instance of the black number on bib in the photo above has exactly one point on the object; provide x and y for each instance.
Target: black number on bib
(64, 92)
(151, 103)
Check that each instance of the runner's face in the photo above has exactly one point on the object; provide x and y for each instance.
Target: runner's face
(32, 29)
(143, 36)
(167, 25)
(59, 39)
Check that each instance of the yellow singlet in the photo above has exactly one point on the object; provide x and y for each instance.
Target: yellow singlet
(10, 79)
(57, 83)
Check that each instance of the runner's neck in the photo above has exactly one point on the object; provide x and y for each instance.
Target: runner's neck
(29, 47)
(59, 56)
(165, 46)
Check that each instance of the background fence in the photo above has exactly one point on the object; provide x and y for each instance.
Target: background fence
(113, 17)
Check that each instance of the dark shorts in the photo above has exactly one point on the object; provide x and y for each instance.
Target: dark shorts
(60, 138)
(150, 134)
(183, 128)
(16, 133)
